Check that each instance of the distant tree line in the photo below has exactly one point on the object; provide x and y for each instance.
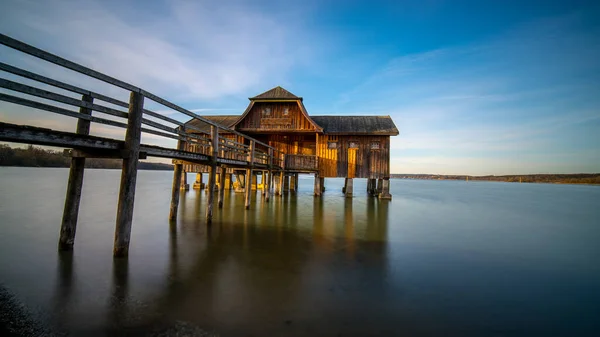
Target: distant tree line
(33, 156)
(577, 178)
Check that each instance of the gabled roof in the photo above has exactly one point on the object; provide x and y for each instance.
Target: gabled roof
(357, 125)
(223, 120)
(275, 94)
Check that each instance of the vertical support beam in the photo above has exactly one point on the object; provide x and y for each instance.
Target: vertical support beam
(297, 182)
(249, 174)
(317, 185)
(379, 185)
(322, 184)
(198, 184)
(280, 182)
(293, 182)
(228, 177)
(129, 175)
(264, 182)
(286, 183)
(222, 186)
(68, 225)
(177, 174)
(385, 190)
(184, 185)
(267, 185)
(349, 187)
(214, 150)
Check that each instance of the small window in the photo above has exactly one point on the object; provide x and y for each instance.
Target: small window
(266, 112)
(332, 145)
(353, 145)
(374, 145)
(286, 111)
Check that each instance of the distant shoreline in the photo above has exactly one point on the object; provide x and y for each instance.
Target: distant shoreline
(574, 178)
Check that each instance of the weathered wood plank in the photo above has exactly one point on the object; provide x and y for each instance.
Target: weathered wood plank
(129, 176)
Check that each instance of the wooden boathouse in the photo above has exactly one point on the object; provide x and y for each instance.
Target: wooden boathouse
(326, 146)
(274, 137)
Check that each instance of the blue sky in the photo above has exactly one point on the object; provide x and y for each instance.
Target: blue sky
(475, 87)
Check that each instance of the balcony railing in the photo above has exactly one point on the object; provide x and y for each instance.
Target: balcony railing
(300, 162)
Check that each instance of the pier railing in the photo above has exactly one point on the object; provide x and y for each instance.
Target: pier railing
(26, 88)
(98, 108)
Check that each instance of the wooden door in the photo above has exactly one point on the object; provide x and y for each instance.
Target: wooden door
(352, 162)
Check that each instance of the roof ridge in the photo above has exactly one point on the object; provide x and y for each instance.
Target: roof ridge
(277, 92)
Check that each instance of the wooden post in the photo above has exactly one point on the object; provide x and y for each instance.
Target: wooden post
(184, 185)
(214, 150)
(349, 187)
(317, 190)
(267, 185)
(68, 226)
(222, 186)
(270, 177)
(293, 182)
(379, 186)
(385, 190)
(280, 182)
(129, 174)
(286, 183)
(228, 177)
(296, 182)
(198, 184)
(322, 184)
(264, 182)
(177, 173)
(249, 174)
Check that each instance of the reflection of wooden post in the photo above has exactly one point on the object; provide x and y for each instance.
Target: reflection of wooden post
(129, 174)
(71, 210)
(222, 186)
(214, 147)
(249, 174)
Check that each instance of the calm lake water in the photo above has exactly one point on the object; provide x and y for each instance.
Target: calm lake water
(442, 258)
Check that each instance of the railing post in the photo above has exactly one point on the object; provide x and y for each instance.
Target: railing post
(214, 150)
(131, 156)
(249, 173)
(68, 226)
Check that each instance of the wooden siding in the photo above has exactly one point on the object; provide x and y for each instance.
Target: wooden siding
(301, 163)
(363, 162)
(294, 121)
(293, 144)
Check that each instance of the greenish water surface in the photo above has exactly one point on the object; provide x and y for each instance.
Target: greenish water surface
(442, 258)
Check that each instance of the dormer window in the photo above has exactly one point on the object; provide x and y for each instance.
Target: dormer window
(266, 111)
(286, 111)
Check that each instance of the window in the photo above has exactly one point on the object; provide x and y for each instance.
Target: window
(332, 145)
(286, 111)
(266, 111)
(374, 145)
(353, 145)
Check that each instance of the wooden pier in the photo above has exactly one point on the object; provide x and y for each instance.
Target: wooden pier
(214, 152)
(274, 138)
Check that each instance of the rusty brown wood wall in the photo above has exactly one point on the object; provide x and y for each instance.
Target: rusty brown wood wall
(276, 120)
(367, 163)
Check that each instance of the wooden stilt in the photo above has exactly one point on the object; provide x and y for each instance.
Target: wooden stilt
(222, 186)
(317, 189)
(268, 186)
(198, 184)
(281, 177)
(214, 132)
(264, 182)
(286, 183)
(379, 186)
(349, 187)
(68, 226)
(177, 173)
(385, 190)
(129, 175)
(322, 184)
(184, 185)
(249, 173)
